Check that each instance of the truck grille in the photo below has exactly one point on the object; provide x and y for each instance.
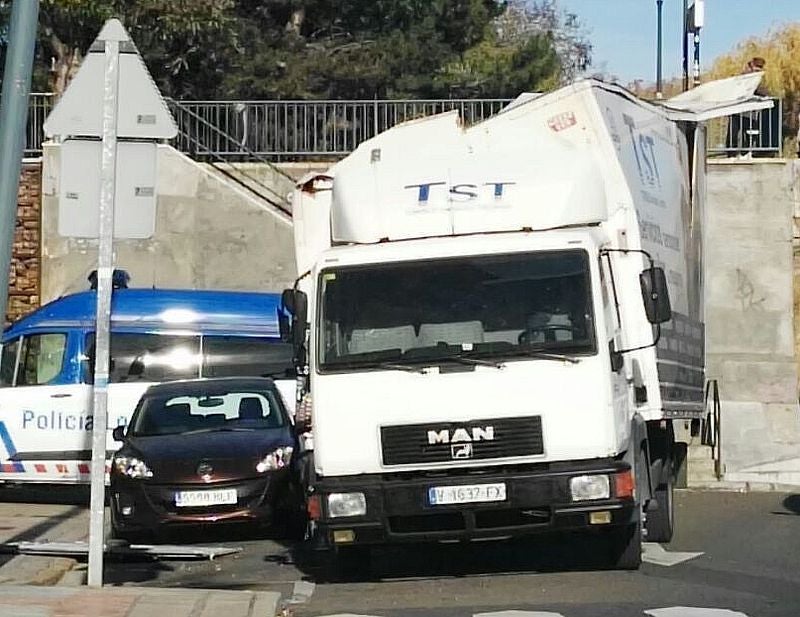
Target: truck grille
(461, 441)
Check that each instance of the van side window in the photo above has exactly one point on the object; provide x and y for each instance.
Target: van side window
(149, 357)
(229, 356)
(8, 359)
(42, 358)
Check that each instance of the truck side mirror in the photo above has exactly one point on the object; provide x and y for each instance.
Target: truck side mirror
(118, 433)
(655, 295)
(294, 302)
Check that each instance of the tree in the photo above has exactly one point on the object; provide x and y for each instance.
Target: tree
(780, 47)
(180, 40)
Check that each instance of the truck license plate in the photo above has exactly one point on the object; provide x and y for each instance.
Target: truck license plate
(466, 493)
(199, 499)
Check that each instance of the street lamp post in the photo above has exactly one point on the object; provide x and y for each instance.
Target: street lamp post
(659, 82)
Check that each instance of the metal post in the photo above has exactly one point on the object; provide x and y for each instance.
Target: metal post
(685, 35)
(13, 112)
(659, 44)
(105, 266)
(696, 70)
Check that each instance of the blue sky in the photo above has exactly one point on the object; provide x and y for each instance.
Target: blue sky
(623, 32)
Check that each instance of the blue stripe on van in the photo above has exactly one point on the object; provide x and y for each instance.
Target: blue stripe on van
(9, 446)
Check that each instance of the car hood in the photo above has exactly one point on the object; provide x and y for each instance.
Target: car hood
(231, 455)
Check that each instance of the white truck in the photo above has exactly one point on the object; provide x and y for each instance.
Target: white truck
(498, 324)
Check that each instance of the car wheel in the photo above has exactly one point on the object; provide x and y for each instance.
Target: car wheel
(343, 563)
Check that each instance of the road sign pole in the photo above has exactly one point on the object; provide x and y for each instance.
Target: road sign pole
(105, 268)
(13, 111)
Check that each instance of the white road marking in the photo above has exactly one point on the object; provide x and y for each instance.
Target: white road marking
(302, 592)
(518, 614)
(690, 611)
(656, 554)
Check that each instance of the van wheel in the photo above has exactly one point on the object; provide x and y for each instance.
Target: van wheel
(626, 547)
(343, 563)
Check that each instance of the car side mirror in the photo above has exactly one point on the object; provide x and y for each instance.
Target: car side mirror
(118, 433)
(655, 295)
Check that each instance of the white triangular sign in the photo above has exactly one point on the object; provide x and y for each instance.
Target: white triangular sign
(141, 111)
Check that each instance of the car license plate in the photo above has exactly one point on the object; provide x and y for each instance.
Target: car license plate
(466, 493)
(199, 499)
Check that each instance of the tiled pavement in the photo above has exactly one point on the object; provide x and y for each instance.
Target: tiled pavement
(34, 601)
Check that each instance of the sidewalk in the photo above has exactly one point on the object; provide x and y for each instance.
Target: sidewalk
(32, 601)
(25, 521)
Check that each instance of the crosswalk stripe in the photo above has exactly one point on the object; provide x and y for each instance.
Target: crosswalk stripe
(656, 554)
(673, 611)
(519, 614)
(691, 611)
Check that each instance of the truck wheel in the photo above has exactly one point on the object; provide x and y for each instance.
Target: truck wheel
(626, 547)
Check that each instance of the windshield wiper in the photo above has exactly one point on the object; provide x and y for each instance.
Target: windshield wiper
(409, 368)
(545, 355)
(475, 361)
(215, 429)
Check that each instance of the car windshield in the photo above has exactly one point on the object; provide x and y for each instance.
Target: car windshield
(499, 306)
(244, 409)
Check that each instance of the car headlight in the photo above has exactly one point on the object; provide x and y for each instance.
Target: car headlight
(275, 460)
(132, 467)
(346, 504)
(584, 488)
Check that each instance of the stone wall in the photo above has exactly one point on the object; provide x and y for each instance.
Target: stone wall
(25, 275)
(750, 346)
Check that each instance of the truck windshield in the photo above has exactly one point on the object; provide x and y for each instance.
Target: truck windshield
(499, 306)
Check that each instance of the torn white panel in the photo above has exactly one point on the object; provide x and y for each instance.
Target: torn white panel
(658, 555)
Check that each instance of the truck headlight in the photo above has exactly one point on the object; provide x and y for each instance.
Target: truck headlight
(275, 460)
(347, 504)
(132, 467)
(585, 488)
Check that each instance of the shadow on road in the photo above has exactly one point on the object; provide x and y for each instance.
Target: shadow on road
(792, 503)
(573, 553)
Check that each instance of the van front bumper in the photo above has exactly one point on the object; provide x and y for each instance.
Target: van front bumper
(538, 500)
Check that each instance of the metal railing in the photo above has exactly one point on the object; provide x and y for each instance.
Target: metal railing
(756, 133)
(711, 431)
(307, 129)
(297, 130)
(39, 106)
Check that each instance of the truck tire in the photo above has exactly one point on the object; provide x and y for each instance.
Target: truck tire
(626, 547)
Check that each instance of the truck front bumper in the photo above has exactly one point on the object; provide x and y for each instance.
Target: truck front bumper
(538, 499)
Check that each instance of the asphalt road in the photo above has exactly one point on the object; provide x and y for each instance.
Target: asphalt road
(750, 563)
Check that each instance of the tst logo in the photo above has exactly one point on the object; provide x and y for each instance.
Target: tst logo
(458, 192)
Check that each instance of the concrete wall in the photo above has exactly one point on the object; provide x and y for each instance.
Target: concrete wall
(749, 317)
(210, 233)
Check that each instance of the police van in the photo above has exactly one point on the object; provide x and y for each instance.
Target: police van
(47, 360)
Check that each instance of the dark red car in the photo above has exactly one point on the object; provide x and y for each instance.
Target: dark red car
(203, 451)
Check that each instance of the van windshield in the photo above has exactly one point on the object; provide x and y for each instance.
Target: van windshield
(486, 306)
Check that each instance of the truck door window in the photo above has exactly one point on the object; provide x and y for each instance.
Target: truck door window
(8, 361)
(41, 358)
(229, 356)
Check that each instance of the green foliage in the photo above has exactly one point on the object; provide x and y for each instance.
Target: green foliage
(341, 49)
